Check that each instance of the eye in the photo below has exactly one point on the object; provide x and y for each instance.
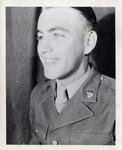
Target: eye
(57, 35)
(39, 36)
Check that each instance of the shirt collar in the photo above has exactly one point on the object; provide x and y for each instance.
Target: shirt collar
(73, 87)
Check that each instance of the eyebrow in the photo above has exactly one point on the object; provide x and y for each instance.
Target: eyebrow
(58, 28)
(54, 29)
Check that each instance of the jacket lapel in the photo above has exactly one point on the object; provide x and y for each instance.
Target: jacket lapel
(77, 109)
(74, 111)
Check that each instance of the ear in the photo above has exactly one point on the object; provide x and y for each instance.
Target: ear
(90, 41)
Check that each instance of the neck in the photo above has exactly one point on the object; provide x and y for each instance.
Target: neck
(75, 76)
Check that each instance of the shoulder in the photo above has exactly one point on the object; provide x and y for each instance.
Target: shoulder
(39, 94)
(41, 88)
(107, 82)
(106, 89)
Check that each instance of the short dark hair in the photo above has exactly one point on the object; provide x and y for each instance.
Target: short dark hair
(89, 14)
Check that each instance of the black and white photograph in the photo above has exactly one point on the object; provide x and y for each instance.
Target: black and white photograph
(60, 75)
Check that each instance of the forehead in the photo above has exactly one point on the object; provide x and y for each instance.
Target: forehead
(66, 17)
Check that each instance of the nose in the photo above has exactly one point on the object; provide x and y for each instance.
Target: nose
(44, 46)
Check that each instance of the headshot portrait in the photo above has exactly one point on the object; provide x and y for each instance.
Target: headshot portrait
(60, 75)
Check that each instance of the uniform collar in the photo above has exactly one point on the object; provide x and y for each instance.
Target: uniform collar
(73, 87)
(88, 88)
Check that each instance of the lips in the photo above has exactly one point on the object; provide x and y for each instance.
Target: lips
(50, 61)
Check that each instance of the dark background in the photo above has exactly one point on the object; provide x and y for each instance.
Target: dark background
(24, 69)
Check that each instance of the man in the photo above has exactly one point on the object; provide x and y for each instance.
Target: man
(75, 105)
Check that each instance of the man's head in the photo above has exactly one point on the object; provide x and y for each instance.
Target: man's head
(65, 38)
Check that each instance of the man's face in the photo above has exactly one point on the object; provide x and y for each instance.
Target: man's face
(60, 42)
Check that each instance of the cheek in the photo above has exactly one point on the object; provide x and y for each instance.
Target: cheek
(70, 59)
(75, 50)
(70, 49)
(76, 57)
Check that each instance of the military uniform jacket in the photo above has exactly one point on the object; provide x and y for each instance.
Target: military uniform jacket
(87, 119)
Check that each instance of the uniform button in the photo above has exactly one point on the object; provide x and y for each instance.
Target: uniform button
(102, 78)
(37, 131)
(90, 94)
(54, 142)
(47, 88)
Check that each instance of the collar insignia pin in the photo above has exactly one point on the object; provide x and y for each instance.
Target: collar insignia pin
(90, 94)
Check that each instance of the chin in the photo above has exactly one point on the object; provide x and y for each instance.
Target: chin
(51, 76)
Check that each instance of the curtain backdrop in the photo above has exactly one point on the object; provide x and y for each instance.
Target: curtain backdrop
(24, 69)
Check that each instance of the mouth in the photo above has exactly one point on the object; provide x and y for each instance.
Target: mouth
(50, 61)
